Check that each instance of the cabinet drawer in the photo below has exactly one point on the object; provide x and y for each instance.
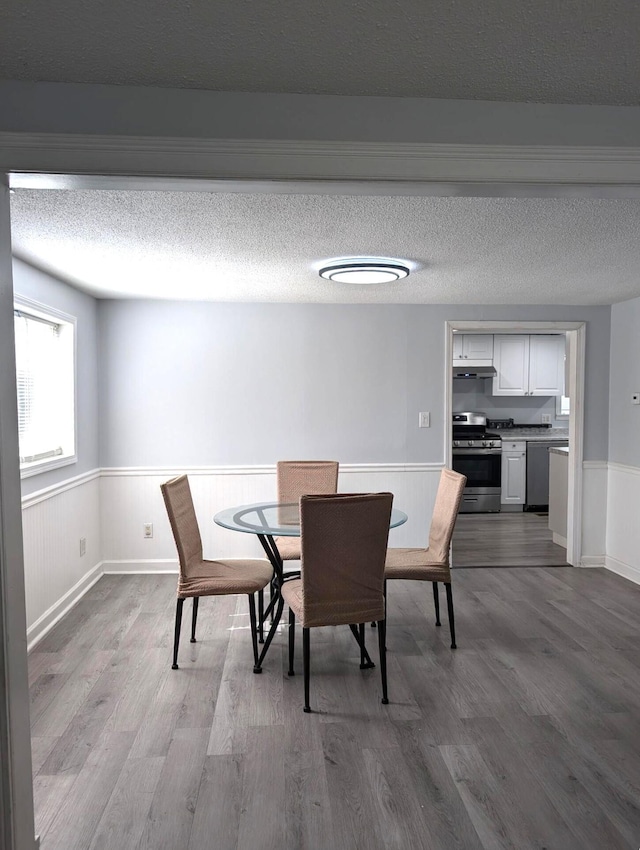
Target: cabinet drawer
(511, 446)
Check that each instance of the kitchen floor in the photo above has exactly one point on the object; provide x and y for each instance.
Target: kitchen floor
(505, 540)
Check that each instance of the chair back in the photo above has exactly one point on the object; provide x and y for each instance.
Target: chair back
(445, 513)
(343, 544)
(184, 523)
(305, 477)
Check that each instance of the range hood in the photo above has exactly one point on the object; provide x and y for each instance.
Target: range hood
(470, 373)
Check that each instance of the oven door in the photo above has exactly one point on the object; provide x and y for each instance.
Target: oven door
(483, 469)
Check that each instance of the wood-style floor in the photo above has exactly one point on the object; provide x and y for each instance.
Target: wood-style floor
(526, 736)
(505, 540)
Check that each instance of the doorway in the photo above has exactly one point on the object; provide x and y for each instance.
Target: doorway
(518, 537)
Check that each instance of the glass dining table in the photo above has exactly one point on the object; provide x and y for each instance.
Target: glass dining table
(268, 520)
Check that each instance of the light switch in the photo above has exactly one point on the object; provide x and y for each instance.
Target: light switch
(423, 421)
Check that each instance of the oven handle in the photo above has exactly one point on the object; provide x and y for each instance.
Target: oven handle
(461, 451)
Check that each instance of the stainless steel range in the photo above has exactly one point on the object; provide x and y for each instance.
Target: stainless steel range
(477, 453)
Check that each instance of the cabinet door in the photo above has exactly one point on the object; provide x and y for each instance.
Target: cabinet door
(514, 480)
(473, 347)
(546, 364)
(511, 360)
(478, 346)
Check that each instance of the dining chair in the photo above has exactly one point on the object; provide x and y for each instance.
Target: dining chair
(344, 539)
(199, 577)
(432, 564)
(297, 478)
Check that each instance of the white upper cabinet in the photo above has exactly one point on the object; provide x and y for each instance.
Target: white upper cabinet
(511, 361)
(528, 365)
(546, 364)
(472, 347)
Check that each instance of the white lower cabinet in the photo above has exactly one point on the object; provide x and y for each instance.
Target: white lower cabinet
(514, 473)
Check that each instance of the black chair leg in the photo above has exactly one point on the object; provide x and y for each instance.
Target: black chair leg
(436, 602)
(194, 618)
(452, 625)
(382, 628)
(261, 616)
(363, 663)
(176, 639)
(254, 627)
(365, 659)
(306, 662)
(292, 641)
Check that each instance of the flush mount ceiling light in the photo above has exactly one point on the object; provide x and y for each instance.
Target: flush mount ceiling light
(364, 271)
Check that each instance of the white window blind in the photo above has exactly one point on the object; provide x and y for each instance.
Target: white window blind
(45, 385)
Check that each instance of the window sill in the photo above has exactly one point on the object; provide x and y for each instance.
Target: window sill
(38, 467)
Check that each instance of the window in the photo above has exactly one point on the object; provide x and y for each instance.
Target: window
(563, 407)
(45, 378)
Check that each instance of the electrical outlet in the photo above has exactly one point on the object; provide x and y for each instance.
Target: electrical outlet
(635, 398)
(546, 419)
(83, 546)
(423, 420)
(147, 529)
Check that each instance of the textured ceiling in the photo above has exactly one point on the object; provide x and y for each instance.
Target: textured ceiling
(267, 247)
(577, 51)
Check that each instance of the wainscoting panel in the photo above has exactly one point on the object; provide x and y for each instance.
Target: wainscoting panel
(594, 516)
(56, 574)
(623, 527)
(132, 497)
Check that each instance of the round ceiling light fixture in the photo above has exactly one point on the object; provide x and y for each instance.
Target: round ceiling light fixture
(364, 271)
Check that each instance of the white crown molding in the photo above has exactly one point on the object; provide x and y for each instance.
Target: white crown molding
(308, 160)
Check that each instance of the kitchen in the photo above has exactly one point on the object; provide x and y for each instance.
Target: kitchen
(509, 413)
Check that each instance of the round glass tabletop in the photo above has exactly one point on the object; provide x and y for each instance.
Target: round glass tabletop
(274, 518)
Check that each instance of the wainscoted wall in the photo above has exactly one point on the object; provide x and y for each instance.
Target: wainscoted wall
(131, 497)
(594, 513)
(623, 528)
(56, 575)
(109, 507)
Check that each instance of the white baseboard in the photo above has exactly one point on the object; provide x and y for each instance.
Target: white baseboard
(140, 566)
(592, 561)
(625, 570)
(559, 540)
(56, 612)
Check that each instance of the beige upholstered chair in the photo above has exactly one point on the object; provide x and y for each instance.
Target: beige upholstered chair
(199, 577)
(344, 539)
(302, 478)
(432, 564)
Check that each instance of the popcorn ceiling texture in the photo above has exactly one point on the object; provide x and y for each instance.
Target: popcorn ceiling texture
(544, 51)
(267, 247)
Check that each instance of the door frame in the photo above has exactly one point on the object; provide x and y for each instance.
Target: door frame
(576, 338)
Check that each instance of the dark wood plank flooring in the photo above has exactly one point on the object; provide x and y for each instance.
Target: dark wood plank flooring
(526, 736)
(505, 540)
